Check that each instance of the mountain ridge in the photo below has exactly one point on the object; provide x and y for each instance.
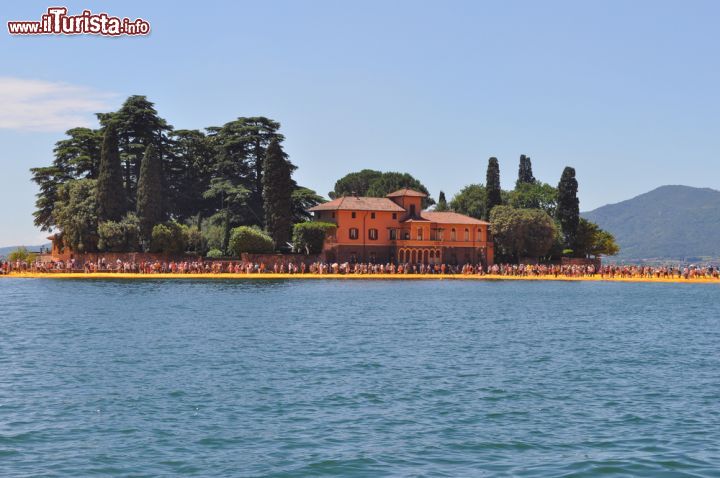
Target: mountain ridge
(671, 222)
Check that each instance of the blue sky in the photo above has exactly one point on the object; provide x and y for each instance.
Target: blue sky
(626, 92)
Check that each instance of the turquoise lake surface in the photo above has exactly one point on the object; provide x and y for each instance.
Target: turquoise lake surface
(358, 378)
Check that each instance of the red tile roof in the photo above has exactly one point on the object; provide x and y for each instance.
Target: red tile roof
(352, 203)
(406, 192)
(451, 218)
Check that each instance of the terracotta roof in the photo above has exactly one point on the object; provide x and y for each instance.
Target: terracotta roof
(352, 203)
(406, 192)
(451, 218)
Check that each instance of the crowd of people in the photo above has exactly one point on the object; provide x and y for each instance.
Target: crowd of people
(299, 267)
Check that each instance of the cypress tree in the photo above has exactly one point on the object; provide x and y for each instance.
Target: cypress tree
(110, 193)
(525, 174)
(277, 194)
(442, 204)
(492, 187)
(150, 194)
(568, 207)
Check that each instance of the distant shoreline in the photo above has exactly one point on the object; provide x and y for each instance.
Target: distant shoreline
(460, 277)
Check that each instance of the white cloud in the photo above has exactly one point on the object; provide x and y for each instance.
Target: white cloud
(35, 105)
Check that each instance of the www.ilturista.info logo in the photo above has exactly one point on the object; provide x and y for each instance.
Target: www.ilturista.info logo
(57, 22)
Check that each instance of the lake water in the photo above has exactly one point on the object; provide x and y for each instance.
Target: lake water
(358, 378)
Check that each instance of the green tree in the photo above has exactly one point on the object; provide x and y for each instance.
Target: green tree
(492, 186)
(392, 181)
(250, 240)
(357, 183)
(232, 199)
(377, 184)
(541, 232)
(535, 195)
(189, 166)
(522, 232)
(76, 157)
(442, 204)
(593, 241)
(471, 201)
(76, 214)
(525, 174)
(195, 240)
(568, 207)
(80, 152)
(49, 179)
(138, 125)
(302, 200)
(21, 254)
(241, 147)
(110, 194)
(150, 195)
(277, 194)
(310, 236)
(120, 236)
(169, 238)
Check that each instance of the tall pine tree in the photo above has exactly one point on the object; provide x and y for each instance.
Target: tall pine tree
(110, 193)
(568, 207)
(277, 193)
(492, 186)
(442, 204)
(525, 174)
(150, 194)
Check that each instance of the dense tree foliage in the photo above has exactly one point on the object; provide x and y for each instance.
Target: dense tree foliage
(250, 240)
(525, 174)
(355, 184)
(521, 233)
(169, 238)
(210, 179)
(568, 207)
(302, 200)
(593, 241)
(138, 125)
(536, 195)
(76, 214)
(150, 194)
(111, 199)
(442, 204)
(309, 237)
(471, 201)
(120, 236)
(21, 254)
(277, 194)
(522, 226)
(377, 184)
(493, 192)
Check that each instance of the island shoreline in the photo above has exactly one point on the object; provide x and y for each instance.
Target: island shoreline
(412, 277)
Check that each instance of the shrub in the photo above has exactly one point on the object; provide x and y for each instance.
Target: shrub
(21, 254)
(169, 238)
(214, 254)
(310, 236)
(195, 240)
(247, 239)
(120, 236)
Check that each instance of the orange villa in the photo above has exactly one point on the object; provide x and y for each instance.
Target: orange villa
(395, 228)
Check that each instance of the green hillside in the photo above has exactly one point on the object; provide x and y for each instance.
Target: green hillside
(668, 223)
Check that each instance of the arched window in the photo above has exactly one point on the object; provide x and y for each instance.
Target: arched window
(373, 234)
(353, 233)
(467, 234)
(419, 234)
(452, 234)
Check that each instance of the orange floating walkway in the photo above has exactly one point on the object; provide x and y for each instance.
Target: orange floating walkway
(241, 276)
